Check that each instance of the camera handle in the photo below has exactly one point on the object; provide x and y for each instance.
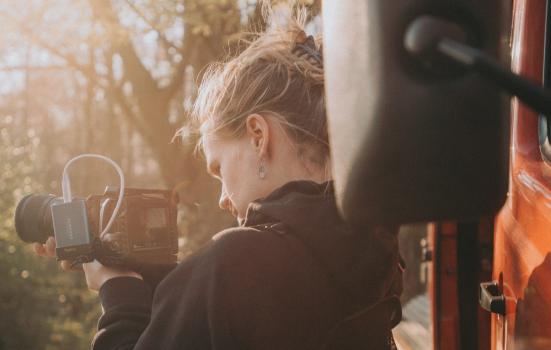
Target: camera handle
(66, 186)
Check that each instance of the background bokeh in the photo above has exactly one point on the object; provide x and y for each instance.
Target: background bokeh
(115, 77)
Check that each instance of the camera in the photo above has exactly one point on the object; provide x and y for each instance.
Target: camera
(143, 234)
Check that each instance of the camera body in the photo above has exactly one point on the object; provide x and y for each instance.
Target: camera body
(144, 233)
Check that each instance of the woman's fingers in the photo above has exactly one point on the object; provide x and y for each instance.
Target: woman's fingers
(47, 249)
(39, 249)
(50, 246)
(67, 266)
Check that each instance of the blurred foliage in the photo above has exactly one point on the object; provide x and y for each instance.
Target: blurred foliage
(41, 307)
(115, 77)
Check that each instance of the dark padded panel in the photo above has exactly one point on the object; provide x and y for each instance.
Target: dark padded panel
(409, 145)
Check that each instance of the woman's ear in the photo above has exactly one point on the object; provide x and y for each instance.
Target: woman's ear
(258, 130)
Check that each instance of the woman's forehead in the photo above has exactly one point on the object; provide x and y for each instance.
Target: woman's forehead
(208, 146)
(208, 134)
(213, 145)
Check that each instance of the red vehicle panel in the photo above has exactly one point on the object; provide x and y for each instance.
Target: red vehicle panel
(522, 260)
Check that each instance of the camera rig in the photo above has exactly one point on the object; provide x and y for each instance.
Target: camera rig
(143, 233)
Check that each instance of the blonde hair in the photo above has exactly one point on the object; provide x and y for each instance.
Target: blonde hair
(279, 74)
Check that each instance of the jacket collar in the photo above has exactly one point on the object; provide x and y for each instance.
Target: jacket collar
(282, 204)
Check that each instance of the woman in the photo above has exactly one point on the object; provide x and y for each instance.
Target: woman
(292, 271)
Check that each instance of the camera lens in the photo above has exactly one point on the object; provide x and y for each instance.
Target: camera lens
(33, 218)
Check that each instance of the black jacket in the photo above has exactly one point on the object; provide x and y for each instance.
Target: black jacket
(283, 280)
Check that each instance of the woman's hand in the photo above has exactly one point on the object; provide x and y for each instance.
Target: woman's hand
(48, 250)
(97, 274)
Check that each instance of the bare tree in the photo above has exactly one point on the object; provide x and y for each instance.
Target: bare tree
(136, 64)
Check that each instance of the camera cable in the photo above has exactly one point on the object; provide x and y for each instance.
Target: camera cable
(66, 187)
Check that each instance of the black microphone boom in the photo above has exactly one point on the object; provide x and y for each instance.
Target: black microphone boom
(428, 37)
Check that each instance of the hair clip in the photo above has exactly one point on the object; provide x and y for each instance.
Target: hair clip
(307, 44)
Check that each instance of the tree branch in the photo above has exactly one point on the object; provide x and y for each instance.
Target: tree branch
(140, 78)
(34, 68)
(167, 43)
(69, 59)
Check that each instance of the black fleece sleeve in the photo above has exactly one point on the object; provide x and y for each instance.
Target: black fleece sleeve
(188, 309)
(127, 309)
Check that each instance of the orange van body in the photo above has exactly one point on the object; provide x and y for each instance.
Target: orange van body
(521, 234)
(522, 240)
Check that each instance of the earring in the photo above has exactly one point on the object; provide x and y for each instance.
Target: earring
(262, 170)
